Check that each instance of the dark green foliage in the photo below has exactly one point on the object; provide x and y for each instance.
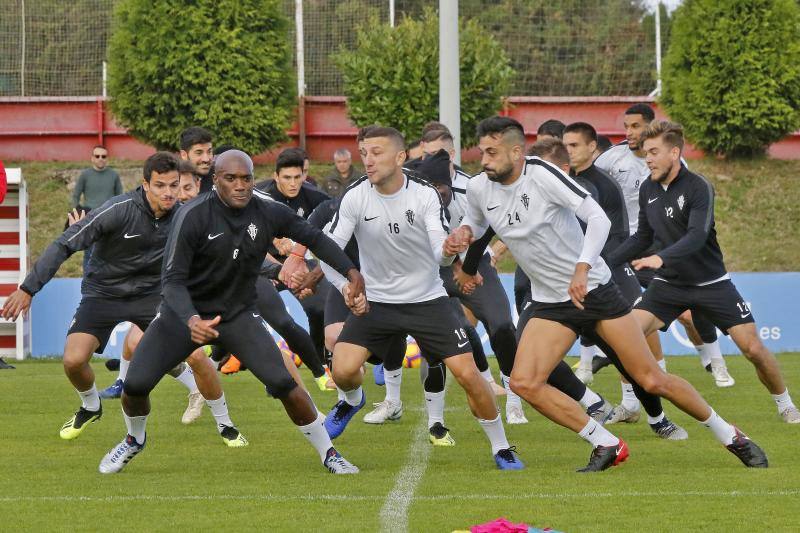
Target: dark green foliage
(732, 73)
(392, 77)
(221, 64)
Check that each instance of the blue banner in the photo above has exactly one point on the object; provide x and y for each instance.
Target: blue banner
(774, 299)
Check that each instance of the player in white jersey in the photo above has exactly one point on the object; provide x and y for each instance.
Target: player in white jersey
(394, 217)
(532, 206)
(625, 162)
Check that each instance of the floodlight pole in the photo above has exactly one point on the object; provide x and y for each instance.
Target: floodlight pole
(449, 81)
(301, 74)
(22, 54)
(657, 91)
(391, 13)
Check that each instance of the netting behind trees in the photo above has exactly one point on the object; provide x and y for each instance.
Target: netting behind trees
(557, 47)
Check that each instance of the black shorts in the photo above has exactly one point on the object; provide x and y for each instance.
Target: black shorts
(433, 324)
(719, 302)
(645, 277)
(604, 302)
(167, 342)
(336, 309)
(625, 278)
(98, 315)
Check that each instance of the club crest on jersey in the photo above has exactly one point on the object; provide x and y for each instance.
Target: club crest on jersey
(526, 200)
(410, 216)
(681, 201)
(300, 211)
(252, 230)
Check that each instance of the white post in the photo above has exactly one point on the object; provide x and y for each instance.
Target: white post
(301, 62)
(22, 55)
(449, 81)
(391, 13)
(105, 79)
(657, 91)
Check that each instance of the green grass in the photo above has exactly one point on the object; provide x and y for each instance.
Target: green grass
(757, 212)
(186, 478)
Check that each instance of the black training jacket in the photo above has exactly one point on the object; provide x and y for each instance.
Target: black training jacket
(214, 253)
(128, 249)
(681, 218)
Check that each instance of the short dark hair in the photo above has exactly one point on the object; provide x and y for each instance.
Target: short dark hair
(584, 128)
(290, 158)
(222, 148)
(194, 135)
(603, 143)
(671, 132)
(161, 163)
(551, 127)
(186, 167)
(375, 131)
(437, 135)
(641, 109)
(413, 144)
(552, 150)
(501, 126)
(434, 126)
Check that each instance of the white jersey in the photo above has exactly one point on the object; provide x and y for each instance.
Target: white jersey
(535, 218)
(458, 205)
(630, 171)
(399, 237)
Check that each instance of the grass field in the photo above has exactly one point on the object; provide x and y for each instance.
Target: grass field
(186, 478)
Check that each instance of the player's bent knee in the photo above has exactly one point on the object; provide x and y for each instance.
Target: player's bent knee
(281, 389)
(135, 388)
(528, 388)
(656, 383)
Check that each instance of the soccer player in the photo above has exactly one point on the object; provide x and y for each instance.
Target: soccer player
(197, 147)
(394, 217)
(676, 208)
(610, 201)
(212, 259)
(532, 206)
(289, 188)
(128, 234)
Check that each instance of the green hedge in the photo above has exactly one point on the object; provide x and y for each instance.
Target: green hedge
(222, 64)
(392, 77)
(732, 73)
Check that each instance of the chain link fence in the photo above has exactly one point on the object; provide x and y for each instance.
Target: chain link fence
(557, 47)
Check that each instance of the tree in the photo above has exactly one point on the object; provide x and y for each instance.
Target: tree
(225, 65)
(392, 76)
(732, 73)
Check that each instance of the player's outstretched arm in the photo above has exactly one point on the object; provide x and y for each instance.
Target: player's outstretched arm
(17, 303)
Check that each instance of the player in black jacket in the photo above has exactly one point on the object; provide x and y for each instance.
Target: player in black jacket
(122, 281)
(213, 256)
(676, 207)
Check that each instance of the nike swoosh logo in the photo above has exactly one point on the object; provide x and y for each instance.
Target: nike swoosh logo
(491, 208)
(463, 344)
(592, 431)
(132, 236)
(255, 315)
(745, 315)
(651, 200)
(212, 237)
(618, 450)
(373, 218)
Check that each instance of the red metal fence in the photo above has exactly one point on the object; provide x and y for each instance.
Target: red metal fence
(65, 129)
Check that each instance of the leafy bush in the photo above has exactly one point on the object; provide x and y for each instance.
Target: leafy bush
(392, 77)
(732, 73)
(225, 65)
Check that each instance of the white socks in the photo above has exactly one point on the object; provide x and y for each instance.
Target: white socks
(662, 364)
(589, 398)
(723, 431)
(315, 434)
(708, 352)
(629, 399)
(136, 426)
(496, 434)
(353, 397)
(434, 405)
(597, 435)
(511, 397)
(219, 408)
(655, 420)
(186, 378)
(90, 399)
(123, 369)
(393, 379)
(587, 354)
(487, 375)
(783, 401)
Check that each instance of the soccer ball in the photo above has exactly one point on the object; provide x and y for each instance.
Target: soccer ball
(286, 351)
(413, 357)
